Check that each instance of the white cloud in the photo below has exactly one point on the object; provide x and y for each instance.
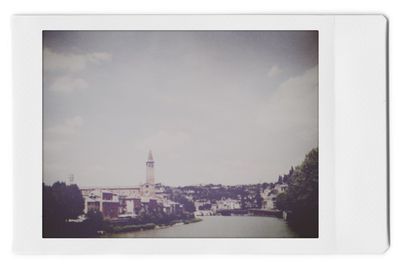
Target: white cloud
(274, 71)
(58, 138)
(70, 126)
(208, 117)
(72, 62)
(98, 57)
(294, 103)
(67, 84)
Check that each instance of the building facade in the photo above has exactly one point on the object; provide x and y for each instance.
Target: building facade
(129, 201)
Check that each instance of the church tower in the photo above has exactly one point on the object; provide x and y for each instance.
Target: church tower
(148, 188)
(150, 169)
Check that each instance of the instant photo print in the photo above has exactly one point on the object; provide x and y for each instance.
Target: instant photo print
(200, 134)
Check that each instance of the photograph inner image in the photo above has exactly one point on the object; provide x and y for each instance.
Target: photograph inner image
(180, 134)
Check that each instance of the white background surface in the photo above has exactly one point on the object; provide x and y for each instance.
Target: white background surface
(8, 8)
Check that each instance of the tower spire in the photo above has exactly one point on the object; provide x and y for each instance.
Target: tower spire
(150, 157)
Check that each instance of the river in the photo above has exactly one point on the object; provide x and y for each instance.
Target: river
(220, 226)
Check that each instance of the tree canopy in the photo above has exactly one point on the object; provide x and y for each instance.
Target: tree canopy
(60, 203)
(301, 199)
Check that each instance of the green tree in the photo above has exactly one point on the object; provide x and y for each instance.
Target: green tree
(69, 200)
(95, 220)
(259, 199)
(60, 203)
(301, 198)
(280, 203)
(187, 204)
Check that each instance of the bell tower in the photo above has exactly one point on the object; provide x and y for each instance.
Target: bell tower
(150, 169)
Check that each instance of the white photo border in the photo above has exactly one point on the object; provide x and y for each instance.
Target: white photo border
(27, 70)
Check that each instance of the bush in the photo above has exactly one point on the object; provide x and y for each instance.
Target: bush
(132, 228)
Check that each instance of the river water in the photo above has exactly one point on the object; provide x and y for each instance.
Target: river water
(221, 226)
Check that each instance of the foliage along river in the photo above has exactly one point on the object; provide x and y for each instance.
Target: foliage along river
(220, 226)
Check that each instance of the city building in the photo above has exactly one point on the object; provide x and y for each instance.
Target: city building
(270, 193)
(105, 201)
(228, 204)
(129, 201)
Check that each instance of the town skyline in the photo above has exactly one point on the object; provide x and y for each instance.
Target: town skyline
(68, 180)
(214, 107)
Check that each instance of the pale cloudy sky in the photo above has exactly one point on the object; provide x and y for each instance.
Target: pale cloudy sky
(215, 107)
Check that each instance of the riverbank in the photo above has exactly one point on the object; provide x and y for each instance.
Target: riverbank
(143, 227)
(218, 227)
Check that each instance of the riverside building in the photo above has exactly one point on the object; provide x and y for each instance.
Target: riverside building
(116, 202)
